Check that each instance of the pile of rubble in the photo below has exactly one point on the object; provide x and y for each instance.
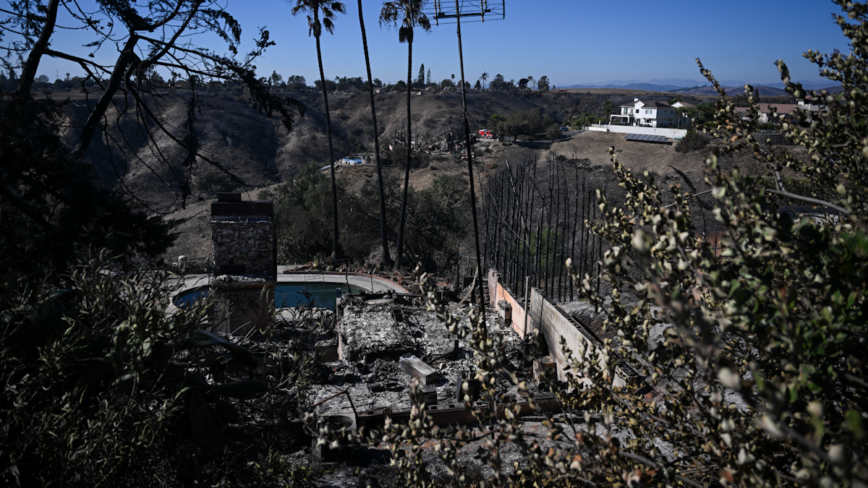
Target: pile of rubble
(382, 345)
(376, 344)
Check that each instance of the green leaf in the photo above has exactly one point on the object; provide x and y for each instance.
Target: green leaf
(853, 421)
(826, 312)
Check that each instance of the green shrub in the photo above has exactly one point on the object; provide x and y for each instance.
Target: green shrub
(102, 387)
(692, 141)
(553, 132)
(303, 213)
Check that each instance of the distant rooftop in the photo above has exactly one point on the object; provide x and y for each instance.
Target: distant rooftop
(648, 104)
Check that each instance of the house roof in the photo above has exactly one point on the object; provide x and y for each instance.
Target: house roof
(684, 104)
(648, 104)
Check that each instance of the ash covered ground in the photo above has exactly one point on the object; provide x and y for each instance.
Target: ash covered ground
(372, 343)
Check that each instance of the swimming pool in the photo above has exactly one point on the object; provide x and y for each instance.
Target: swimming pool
(286, 295)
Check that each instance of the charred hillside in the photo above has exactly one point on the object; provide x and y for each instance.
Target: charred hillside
(227, 132)
(153, 159)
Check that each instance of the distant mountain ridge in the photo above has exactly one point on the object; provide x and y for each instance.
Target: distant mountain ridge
(702, 87)
(675, 82)
(631, 86)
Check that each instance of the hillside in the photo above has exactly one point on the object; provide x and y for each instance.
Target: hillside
(661, 160)
(231, 133)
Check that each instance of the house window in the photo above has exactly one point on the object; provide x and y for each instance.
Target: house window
(647, 111)
(637, 110)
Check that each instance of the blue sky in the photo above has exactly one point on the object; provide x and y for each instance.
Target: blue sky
(570, 41)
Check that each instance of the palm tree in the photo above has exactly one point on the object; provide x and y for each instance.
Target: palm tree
(387, 260)
(406, 15)
(313, 8)
(484, 77)
(530, 80)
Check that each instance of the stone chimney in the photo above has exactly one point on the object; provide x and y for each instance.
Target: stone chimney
(244, 243)
(243, 237)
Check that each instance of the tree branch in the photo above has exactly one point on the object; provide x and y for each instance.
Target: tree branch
(150, 61)
(811, 200)
(706, 192)
(74, 59)
(652, 464)
(28, 71)
(171, 16)
(103, 103)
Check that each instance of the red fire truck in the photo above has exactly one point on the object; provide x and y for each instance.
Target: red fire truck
(485, 134)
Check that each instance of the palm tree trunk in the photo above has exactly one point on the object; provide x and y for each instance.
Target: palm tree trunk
(398, 261)
(331, 151)
(387, 260)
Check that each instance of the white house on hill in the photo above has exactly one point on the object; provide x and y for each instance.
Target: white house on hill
(648, 114)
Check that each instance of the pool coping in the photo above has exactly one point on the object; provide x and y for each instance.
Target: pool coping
(360, 280)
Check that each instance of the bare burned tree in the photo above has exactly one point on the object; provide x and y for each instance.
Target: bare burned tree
(146, 37)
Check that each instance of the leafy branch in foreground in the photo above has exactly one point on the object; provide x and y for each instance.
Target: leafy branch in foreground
(156, 35)
(754, 349)
(102, 387)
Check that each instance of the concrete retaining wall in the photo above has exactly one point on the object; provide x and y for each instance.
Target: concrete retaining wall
(546, 318)
(633, 129)
(496, 293)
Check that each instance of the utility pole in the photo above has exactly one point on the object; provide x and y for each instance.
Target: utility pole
(445, 15)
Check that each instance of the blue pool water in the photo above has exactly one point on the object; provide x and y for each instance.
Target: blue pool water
(285, 294)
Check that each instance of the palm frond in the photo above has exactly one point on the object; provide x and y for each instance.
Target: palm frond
(407, 14)
(389, 14)
(328, 8)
